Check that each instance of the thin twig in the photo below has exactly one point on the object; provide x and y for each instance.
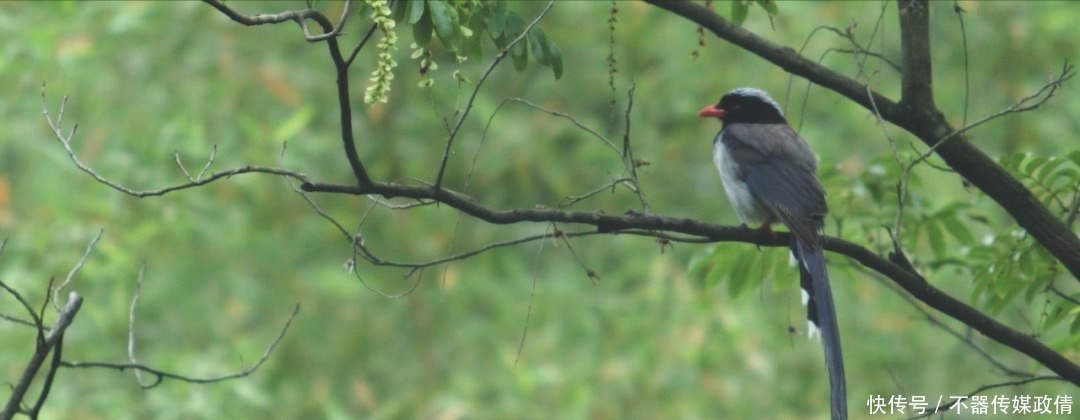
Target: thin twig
(949, 405)
(571, 200)
(630, 163)
(131, 325)
(967, 74)
(75, 269)
(532, 294)
(161, 374)
(65, 141)
(568, 117)
(933, 320)
(360, 46)
(1027, 103)
(472, 97)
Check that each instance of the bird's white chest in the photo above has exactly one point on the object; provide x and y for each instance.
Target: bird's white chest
(748, 207)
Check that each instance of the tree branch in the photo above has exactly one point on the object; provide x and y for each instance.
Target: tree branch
(298, 16)
(916, 75)
(161, 374)
(44, 347)
(928, 124)
(910, 281)
(341, 67)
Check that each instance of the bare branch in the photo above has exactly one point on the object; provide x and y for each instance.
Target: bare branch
(480, 82)
(532, 297)
(568, 117)
(1027, 103)
(936, 322)
(571, 200)
(298, 16)
(45, 346)
(360, 45)
(858, 49)
(75, 269)
(65, 140)
(161, 375)
(36, 321)
(628, 153)
(131, 326)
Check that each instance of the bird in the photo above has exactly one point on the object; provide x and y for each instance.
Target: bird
(770, 175)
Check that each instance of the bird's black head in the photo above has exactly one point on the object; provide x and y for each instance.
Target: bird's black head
(745, 105)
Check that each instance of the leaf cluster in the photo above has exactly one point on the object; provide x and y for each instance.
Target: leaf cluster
(460, 27)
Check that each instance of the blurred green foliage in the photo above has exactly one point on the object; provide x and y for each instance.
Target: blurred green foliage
(515, 332)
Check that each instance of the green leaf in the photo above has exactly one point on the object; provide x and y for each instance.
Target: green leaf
(1048, 168)
(739, 273)
(445, 19)
(739, 11)
(497, 21)
(716, 274)
(1075, 327)
(1025, 262)
(937, 239)
(414, 10)
(958, 230)
(397, 9)
(700, 262)
(769, 6)
(421, 30)
(1013, 161)
(1034, 164)
(538, 45)
(519, 52)
(473, 46)
(555, 56)
(1074, 156)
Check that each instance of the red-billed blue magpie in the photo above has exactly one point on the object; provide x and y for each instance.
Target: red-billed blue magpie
(770, 175)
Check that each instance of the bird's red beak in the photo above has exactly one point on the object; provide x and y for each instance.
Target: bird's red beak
(711, 111)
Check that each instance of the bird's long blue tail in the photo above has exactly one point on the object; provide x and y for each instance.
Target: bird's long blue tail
(814, 279)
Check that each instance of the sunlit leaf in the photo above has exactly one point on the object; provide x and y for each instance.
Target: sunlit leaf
(1034, 163)
(293, 125)
(1074, 156)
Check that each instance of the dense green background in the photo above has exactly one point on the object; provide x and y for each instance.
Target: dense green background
(227, 262)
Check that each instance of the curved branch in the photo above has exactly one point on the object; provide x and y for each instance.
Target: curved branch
(341, 67)
(161, 374)
(635, 221)
(298, 16)
(915, 114)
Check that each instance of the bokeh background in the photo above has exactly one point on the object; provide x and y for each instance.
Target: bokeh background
(664, 333)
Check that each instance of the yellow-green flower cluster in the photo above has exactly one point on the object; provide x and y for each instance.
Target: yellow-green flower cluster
(384, 70)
